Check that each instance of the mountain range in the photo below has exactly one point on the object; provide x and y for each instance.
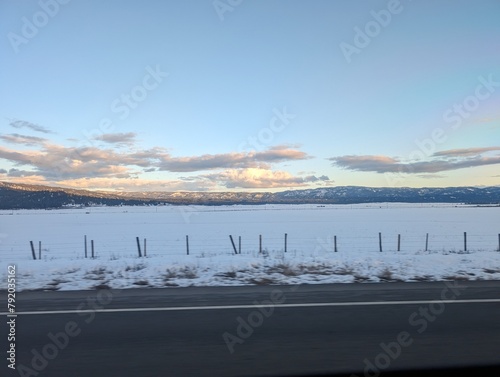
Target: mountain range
(25, 196)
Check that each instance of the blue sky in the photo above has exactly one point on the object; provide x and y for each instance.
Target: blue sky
(259, 95)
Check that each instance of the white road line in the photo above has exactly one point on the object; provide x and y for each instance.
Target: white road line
(230, 307)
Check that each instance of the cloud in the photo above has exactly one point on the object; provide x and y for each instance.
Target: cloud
(32, 126)
(23, 139)
(137, 184)
(57, 162)
(114, 184)
(21, 173)
(313, 178)
(232, 160)
(384, 164)
(101, 167)
(54, 161)
(252, 178)
(107, 169)
(125, 139)
(379, 164)
(464, 152)
(430, 176)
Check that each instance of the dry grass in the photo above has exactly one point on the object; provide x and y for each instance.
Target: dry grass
(170, 274)
(182, 273)
(228, 274)
(491, 271)
(423, 278)
(388, 276)
(101, 286)
(360, 278)
(262, 281)
(454, 251)
(385, 274)
(321, 269)
(456, 278)
(58, 281)
(96, 274)
(188, 273)
(170, 284)
(136, 267)
(98, 271)
(284, 269)
(344, 271)
(72, 271)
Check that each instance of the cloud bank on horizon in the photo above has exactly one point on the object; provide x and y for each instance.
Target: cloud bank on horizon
(195, 97)
(107, 167)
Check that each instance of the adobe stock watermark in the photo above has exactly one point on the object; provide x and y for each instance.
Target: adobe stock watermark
(464, 109)
(278, 123)
(224, 6)
(126, 102)
(372, 29)
(187, 211)
(329, 244)
(254, 319)
(60, 340)
(454, 116)
(122, 106)
(31, 26)
(418, 321)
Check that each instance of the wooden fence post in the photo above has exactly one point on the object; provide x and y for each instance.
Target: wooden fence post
(286, 236)
(380, 241)
(138, 246)
(145, 252)
(465, 241)
(85, 245)
(239, 244)
(260, 243)
(426, 241)
(335, 243)
(399, 242)
(187, 245)
(234, 246)
(33, 250)
(39, 249)
(92, 248)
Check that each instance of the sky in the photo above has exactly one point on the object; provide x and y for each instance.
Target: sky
(250, 95)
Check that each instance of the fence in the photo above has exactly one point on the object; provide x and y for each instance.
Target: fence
(201, 245)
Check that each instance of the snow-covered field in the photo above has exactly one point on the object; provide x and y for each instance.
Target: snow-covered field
(310, 257)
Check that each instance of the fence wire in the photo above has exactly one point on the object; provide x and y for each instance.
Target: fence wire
(201, 245)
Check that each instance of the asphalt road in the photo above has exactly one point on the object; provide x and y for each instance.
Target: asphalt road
(222, 331)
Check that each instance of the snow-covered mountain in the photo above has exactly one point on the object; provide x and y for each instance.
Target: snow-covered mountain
(14, 195)
(360, 194)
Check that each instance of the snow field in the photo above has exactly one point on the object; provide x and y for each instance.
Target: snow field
(310, 256)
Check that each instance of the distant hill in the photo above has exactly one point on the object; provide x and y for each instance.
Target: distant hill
(22, 196)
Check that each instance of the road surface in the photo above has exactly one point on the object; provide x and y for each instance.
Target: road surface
(254, 330)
